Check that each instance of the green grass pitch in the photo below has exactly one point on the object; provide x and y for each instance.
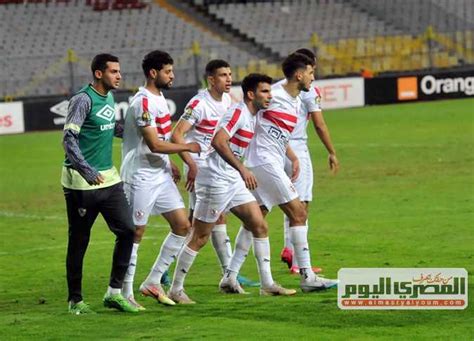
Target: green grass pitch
(404, 197)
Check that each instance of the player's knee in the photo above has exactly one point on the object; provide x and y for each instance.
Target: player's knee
(181, 228)
(200, 239)
(299, 217)
(260, 229)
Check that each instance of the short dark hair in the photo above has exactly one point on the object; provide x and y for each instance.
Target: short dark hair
(100, 62)
(251, 81)
(294, 62)
(306, 52)
(215, 64)
(155, 60)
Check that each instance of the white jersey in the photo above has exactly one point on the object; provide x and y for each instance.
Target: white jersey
(274, 128)
(239, 124)
(203, 112)
(310, 102)
(138, 162)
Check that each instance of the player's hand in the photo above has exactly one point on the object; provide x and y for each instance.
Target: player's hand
(97, 181)
(191, 177)
(295, 170)
(249, 179)
(175, 173)
(194, 147)
(333, 163)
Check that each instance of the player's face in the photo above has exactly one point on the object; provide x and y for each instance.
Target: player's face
(164, 77)
(307, 77)
(221, 81)
(263, 96)
(111, 76)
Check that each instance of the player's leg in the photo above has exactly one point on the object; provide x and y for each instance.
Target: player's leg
(297, 215)
(170, 204)
(211, 201)
(169, 250)
(287, 252)
(141, 197)
(221, 242)
(250, 215)
(117, 212)
(199, 236)
(81, 214)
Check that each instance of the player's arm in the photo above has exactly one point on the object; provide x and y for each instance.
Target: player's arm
(179, 132)
(323, 133)
(78, 109)
(164, 147)
(220, 143)
(295, 163)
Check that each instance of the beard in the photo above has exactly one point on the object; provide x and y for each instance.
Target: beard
(162, 85)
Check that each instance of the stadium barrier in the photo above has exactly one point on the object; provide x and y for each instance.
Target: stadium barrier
(424, 86)
(49, 113)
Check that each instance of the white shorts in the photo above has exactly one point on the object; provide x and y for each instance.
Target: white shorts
(152, 199)
(213, 200)
(274, 187)
(304, 182)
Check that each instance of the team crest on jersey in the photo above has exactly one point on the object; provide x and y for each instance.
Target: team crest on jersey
(146, 116)
(318, 100)
(82, 212)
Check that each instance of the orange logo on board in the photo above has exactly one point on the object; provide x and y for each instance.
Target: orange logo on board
(407, 88)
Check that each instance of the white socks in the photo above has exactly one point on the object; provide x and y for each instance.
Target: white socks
(261, 247)
(221, 243)
(185, 260)
(127, 287)
(243, 241)
(113, 291)
(299, 238)
(286, 232)
(168, 253)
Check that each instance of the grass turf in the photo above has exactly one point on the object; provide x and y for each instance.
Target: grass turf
(403, 198)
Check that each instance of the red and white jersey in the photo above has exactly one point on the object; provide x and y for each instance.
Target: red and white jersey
(203, 112)
(138, 162)
(239, 124)
(310, 102)
(274, 128)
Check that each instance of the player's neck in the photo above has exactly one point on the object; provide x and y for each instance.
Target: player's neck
(292, 88)
(153, 89)
(252, 108)
(100, 88)
(215, 94)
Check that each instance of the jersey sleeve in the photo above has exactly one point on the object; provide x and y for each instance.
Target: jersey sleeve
(231, 121)
(312, 100)
(141, 113)
(193, 112)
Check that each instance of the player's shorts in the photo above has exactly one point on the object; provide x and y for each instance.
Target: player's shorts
(152, 199)
(304, 182)
(213, 200)
(274, 186)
